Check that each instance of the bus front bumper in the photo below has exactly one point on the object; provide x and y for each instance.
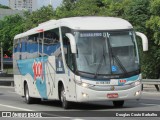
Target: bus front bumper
(86, 94)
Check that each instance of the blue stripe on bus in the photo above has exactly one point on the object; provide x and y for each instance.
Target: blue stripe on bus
(26, 67)
(133, 78)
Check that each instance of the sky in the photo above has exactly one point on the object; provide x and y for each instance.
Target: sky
(41, 3)
(4, 2)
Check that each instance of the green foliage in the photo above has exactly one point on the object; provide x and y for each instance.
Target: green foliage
(9, 27)
(79, 8)
(15, 24)
(154, 7)
(39, 16)
(154, 25)
(4, 7)
(137, 12)
(113, 8)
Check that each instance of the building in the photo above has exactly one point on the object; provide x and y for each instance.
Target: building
(29, 5)
(6, 12)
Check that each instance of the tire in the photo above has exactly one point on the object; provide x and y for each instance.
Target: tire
(118, 103)
(28, 99)
(65, 103)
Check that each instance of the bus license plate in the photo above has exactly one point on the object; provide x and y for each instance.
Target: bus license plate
(112, 95)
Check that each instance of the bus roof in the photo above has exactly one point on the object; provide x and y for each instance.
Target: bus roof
(81, 23)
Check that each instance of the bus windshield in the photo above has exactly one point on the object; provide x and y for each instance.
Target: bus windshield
(106, 53)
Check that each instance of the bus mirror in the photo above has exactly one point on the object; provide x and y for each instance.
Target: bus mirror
(144, 40)
(72, 42)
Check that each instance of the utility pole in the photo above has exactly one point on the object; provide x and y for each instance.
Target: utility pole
(1, 58)
(50, 2)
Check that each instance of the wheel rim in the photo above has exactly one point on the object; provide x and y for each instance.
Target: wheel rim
(63, 97)
(27, 94)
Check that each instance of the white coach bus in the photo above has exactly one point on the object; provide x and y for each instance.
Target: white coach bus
(79, 59)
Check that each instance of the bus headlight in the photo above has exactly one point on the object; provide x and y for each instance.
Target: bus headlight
(84, 94)
(86, 85)
(137, 93)
(136, 83)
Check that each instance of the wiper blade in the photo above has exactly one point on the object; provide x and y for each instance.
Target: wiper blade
(116, 58)
(100, 64)
(119, 63)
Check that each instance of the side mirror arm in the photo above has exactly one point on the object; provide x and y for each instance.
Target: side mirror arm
(144, 40)
(72, 42)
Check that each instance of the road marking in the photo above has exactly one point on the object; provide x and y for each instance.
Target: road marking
(18, 108)
(149, 104)
(53, 115)
(78, 119)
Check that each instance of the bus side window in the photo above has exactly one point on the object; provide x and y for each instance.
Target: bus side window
(16, 50)
(51, 41)
(24, 48)
(32, 46)
(20, 50)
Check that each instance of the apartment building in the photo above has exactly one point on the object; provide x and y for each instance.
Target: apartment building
(29, 5)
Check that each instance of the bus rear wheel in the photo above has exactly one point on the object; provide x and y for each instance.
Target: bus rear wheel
(28, 99)
(65, 103)
(118, 103)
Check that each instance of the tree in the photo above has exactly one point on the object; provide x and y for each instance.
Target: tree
(4, 7)
(9, 27)
(153, 26)
(42, 15)
(79, 8)
(16, 24)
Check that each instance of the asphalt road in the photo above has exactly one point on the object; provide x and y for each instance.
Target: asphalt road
(10, 101)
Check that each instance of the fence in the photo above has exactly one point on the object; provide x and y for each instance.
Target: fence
(155, 82)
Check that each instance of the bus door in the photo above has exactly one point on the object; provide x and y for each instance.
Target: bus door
(70, 69)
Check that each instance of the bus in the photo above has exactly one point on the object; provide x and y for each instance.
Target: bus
(79, 59)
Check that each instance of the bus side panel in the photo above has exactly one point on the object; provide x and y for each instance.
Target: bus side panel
(33, 92)
(33, 73)
(17, 76)
(50, 74)
(18, 84)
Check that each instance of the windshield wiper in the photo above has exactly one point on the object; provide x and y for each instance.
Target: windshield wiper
(116, 59)
(119, 63)
(100, 64)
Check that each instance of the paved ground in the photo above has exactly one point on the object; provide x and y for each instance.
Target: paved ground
(10, 101)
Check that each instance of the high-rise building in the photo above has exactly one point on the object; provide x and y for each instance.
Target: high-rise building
(29, 5)
(6, 12)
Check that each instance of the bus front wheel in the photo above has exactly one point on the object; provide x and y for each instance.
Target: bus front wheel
(118, 103)
(65, 103)
(28, 99)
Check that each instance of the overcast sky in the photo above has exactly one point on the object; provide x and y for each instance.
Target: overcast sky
(4, 2)
(41, 3)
